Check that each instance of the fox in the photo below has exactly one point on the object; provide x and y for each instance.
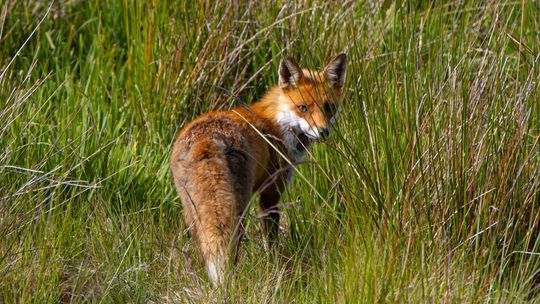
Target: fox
(222, 158)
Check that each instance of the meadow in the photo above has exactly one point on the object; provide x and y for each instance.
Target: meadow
(427, 192)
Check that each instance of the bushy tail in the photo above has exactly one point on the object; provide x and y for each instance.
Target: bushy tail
(211, 204)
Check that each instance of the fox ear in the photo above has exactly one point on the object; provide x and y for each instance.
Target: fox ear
(335, 71)
(289, 73)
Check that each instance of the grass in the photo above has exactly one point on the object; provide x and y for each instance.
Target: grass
(428, 191)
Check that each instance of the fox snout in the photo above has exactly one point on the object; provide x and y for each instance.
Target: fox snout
(319, 134)
(324, 133)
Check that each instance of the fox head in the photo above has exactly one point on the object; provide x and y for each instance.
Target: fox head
(309, 101)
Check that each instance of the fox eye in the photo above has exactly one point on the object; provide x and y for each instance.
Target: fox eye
(303, 108)
(329, 108)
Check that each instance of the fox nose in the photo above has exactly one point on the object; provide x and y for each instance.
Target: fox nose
(324, 133)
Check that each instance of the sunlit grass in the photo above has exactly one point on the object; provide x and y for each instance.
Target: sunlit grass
(428, 190)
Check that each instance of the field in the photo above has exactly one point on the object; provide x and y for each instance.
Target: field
(427, 192)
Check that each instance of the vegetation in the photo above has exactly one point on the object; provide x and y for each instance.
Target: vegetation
(428, 191)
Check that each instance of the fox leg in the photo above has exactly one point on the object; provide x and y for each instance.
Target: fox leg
(269, 199)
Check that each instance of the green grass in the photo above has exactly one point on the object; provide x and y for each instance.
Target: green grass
(428, 191)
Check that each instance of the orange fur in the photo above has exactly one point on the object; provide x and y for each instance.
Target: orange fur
(221, 158)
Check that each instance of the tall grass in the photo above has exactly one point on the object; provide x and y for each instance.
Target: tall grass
(428, 191)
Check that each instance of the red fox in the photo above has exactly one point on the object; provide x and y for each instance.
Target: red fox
(221, 158)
